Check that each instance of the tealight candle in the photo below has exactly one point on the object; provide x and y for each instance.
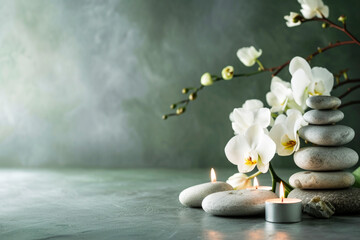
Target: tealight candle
(283, 210)
(256, 186)
(193, 196)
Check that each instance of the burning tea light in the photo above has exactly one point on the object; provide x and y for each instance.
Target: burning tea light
(193, 196)
(283, 210)
(256, 186)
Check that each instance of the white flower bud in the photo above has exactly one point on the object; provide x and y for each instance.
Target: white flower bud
(248, 55)
(313, 8)
(206, 79)
(239, 181)
(227, 73)
(292, 20)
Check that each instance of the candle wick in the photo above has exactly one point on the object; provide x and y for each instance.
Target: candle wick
(256, 187)
(282, 199)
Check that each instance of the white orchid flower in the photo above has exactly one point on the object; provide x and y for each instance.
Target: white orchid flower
(284, 132)
(292, 19)
(253, 148)
(252, 112)
(239, 181)
(306, 81)
(248, 55)
(280, 97)
(312, 8)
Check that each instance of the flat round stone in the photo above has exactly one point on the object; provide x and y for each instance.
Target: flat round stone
(193, 196)
(345, 201)
(322, 117)
(322, 180)
(244, 202)
(333, 135)
(323, 102)
(325, 158)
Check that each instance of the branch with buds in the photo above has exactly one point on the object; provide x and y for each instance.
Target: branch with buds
(228, 72)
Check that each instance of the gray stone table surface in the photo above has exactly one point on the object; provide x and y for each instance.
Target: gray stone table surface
(135, 204)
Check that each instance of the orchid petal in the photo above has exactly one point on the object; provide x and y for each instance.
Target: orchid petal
(246, 168)
(299, 63)
(276, 134)
(262, 166)
(324, 10)
(236, 148)
(242, 119)
(280, 119)
(299, 83)
(253, 104)
(266, 149)
(327, 78)
(262, 117)
(248, 55)
(254, 136)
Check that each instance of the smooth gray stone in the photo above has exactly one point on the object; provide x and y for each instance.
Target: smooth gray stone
(322, 180)
(244, 202)
(334, 135)
(319, 208)
(345, 201)
(325, 158)
(193, 196)
(323, 102)
(323, 117)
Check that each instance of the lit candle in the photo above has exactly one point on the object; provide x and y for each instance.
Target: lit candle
(256, 186)
(193, 196)
(283, 210)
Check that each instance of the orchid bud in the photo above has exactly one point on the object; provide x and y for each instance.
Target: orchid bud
(185, 90)
(227, 73)
(206, 79)
(192, 96)
(248, 55)
(239, 181)
(342, 19)
(172, 106)
(164, 117)
(180, 110)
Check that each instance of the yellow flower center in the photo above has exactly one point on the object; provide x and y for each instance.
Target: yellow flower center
(250, 161)
(229, 72)
(315, 93)
(289, 144)
(318, 89)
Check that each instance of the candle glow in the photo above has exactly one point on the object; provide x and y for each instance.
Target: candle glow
(282, 192)
(257, 186)
(213, 175)
(256, 183)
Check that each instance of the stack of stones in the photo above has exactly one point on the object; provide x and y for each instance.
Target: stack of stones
(326, 161)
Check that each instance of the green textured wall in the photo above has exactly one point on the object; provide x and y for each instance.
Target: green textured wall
(84, 83)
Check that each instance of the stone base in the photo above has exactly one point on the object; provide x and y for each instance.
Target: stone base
(237, 203)
(345, 201)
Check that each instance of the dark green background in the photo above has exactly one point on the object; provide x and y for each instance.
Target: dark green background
(84, 83)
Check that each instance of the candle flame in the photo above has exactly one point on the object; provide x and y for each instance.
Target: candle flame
(282, 192)
(213, 175)
(256, 183)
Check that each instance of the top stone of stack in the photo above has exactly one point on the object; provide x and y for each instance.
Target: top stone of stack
(323, 102)
(321, 130)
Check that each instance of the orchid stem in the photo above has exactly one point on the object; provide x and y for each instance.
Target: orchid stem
(276, 179)
(260, 65)
(254, 175)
